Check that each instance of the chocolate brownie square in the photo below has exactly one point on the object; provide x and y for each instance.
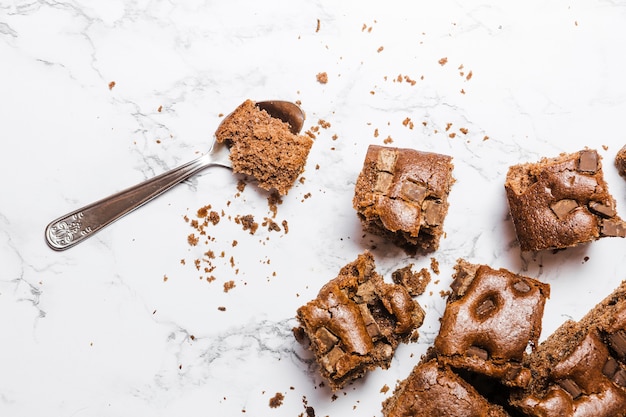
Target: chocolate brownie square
(580, 370)
(561, 202)
(402, 195)
(264, 147)
(492, 318)
(433, 389)
(357, 321)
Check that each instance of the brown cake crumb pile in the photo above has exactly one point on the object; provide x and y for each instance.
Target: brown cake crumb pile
(263, 147)
(356, 322)
(561, 202)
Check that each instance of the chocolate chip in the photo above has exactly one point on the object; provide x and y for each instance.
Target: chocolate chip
(588, 161)
(618, 343)
(562, 207)
(571, 387)
(486, 307)
(613, 227)
(478, 352)
(602, 209)
(521, 286)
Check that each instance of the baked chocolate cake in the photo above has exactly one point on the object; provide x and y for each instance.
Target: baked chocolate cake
(491, 318)
(580, 370)
(263, 147)
(433, 390)
(356, 322)
(402, 194)
(561, 202)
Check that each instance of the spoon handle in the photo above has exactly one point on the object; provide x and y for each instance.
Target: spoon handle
(74, 227)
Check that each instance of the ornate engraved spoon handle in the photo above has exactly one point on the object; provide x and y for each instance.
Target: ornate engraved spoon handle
(74, 227)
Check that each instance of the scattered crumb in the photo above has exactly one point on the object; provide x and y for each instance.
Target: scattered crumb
(434, 266)
(285, 226)
(165, 278)
(247, 222)
(464, 130)
(443, 61)
(160, 109)
(221, 308)
(414, 282)
(444, 294)
(317, 28)
(229, 285)
(384, 389)
(111, 85)
(277, 400)
(192, 240)
(322, 77)
(388, 140)
(469, 76)
(380, 49)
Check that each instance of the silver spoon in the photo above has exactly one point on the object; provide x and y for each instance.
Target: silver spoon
(74, 227)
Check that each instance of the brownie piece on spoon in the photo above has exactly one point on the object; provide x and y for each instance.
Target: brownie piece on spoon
(264, 147)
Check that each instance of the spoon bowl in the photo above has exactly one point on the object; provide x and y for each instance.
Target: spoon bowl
(76, 226)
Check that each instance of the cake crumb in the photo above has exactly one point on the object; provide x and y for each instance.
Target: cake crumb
(380, 49)
(322, 77)
(285, 226)
(277, 400)
(317, 28)
(443, 61)
(384, 389)
(192, 239)
(229, 285)
(434, 266)
(221, 308)
(111, 85)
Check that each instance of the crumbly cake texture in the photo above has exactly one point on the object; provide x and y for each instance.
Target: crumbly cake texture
(433, 389)
(580, 370)
(402, 195)
(356, 322)
(561, 202)
(263, 147)
(620, 161)
(491, 318)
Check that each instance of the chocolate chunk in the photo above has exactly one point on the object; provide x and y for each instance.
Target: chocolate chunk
(433, 212)
(383, 182)
(386, 160)
(521, 286)
(588, 161)
(571, 387)
(485, 308)
(414, 192)
(617, 341)
(562, 207)
(610, 368)
(620, 378)
(613, 227)
(605, 210)
(478, 352)
(325, 339)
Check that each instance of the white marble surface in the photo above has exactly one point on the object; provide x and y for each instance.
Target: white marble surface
(119, 326)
